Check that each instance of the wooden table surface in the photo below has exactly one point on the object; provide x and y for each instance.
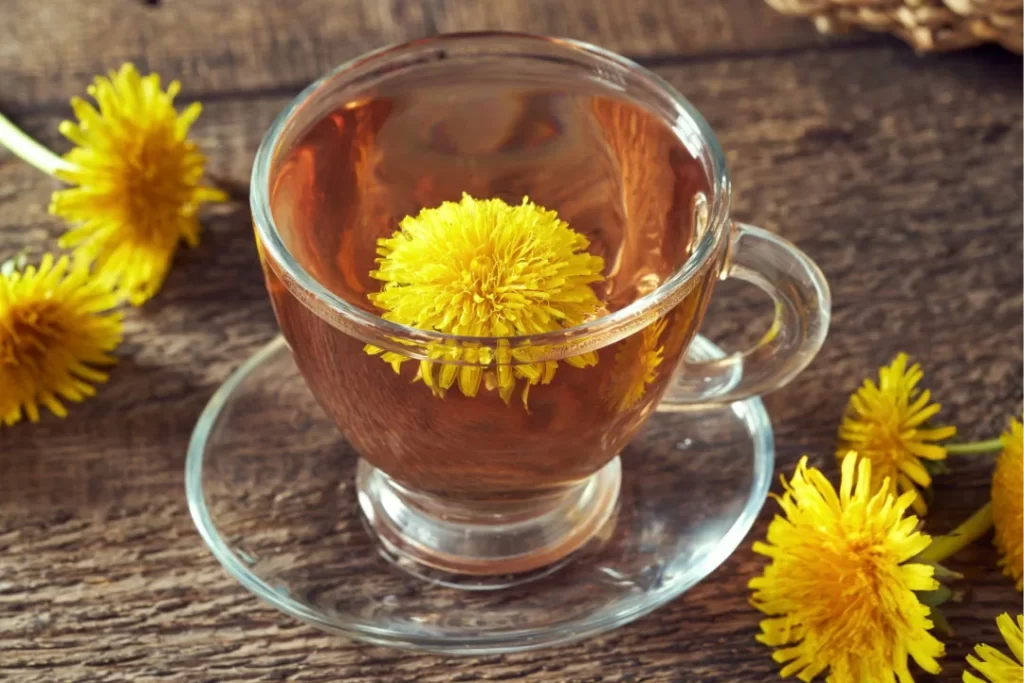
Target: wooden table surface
(899, 174)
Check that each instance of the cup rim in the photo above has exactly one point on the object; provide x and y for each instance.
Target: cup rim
(623, 321)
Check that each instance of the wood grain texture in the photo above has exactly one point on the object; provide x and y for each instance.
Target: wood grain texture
(220, 48)
(900, 175)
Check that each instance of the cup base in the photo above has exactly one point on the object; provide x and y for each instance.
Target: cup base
(272, 487)
(492, 540)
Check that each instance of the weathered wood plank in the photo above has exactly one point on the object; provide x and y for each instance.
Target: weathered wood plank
(900, 176)
(218, 47)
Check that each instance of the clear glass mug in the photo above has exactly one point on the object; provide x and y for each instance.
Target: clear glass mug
(480, 484)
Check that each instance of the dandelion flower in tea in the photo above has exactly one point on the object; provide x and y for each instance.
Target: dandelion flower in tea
(484, 268)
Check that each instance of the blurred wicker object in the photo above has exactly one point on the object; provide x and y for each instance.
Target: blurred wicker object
(928, 25)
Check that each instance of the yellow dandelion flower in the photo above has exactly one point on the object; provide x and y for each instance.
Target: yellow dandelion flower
(840, 590)
(885, 424)
(636, 365)
(1007, 501)
(138, 179)
(993, 664)
(56, 327)
(483, 268)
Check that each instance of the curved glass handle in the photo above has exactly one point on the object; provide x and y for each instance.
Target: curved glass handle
(802, 309)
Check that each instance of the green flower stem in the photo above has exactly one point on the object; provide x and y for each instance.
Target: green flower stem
(959, 538)
(14, 139)
(974, 447)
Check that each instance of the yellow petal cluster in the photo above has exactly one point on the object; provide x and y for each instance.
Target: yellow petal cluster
(138, 181)
(636, 365)
(484, 268)
(887, 424)
(1007, 503)
(840, 590)
(995, 666)
(56, 329)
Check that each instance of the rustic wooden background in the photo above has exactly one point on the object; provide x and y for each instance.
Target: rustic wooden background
(900, 174)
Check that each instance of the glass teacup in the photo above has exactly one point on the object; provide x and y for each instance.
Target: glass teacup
(495, 455)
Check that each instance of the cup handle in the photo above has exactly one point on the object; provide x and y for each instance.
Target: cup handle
(802, 309)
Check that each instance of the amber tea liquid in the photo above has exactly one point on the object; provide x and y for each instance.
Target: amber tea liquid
(614, 171)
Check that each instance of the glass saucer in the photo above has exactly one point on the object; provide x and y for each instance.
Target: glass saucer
(271, 486)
